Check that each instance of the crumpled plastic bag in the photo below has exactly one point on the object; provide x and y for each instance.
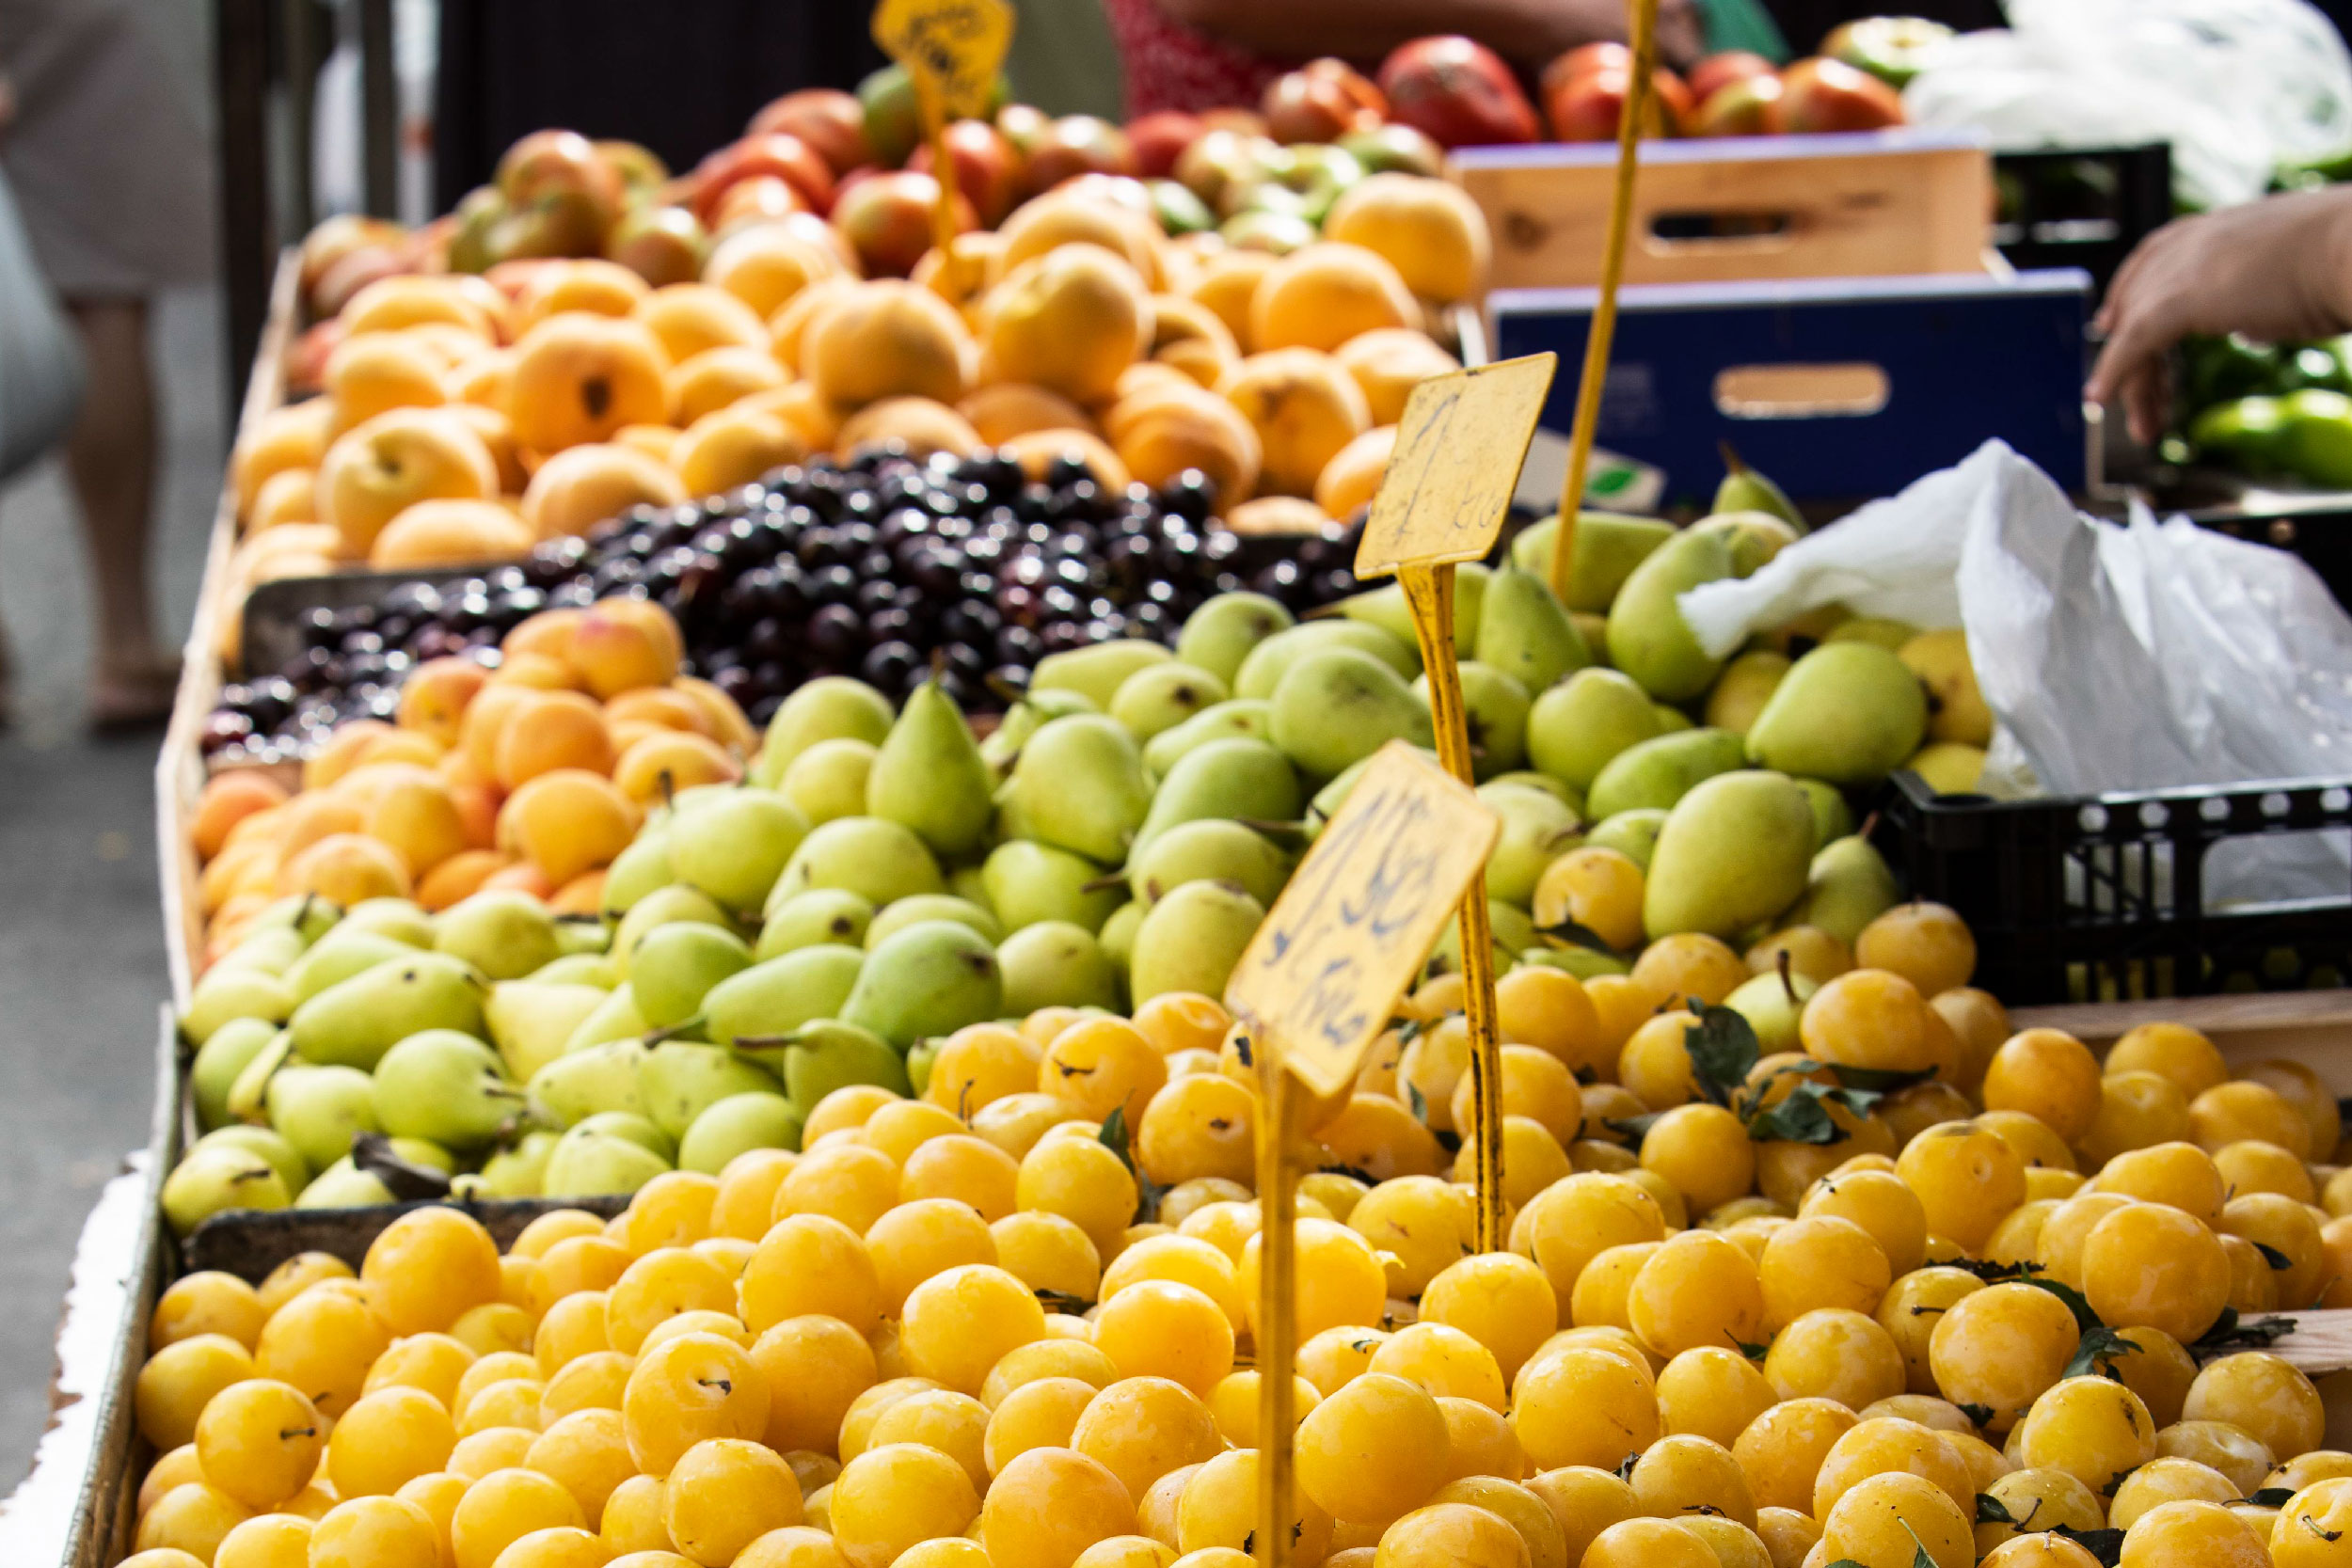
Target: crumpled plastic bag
(2237, 87)
(2114, 659)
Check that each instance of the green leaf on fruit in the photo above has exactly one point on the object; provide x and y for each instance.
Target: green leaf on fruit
(1880, 1079)
(2272, 1496)
(2101, 1348)
(2229, 1332)
(1991, 1511)
(1624, 1465)
(1632, 1128)
(2105, 1545)
(1114, 1135)
(1417, 1102)
(1803, 1117)
(1722, 1051)
(1979, 1413)
(1753, 1353)
(1062, 1301)
(407, 1181)
(2272, 1255)
(1568, 933)
(2113, 1481)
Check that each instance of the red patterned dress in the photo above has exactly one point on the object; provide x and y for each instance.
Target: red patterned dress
(1171, 65)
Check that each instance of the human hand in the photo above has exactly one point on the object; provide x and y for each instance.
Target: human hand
(2274, 269)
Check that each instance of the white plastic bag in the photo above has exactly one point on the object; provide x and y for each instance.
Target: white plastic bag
(2148, 656)
(2234, 86)
(40, 364)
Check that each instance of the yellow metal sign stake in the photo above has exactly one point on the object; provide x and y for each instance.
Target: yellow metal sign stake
(1459, 448)
(952, 50)
(1314, 989)
(1643, 24)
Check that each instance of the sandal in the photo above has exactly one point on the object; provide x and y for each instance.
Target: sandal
(135, 698)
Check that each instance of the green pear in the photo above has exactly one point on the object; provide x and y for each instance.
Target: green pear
(248, 1092)
(1097, 672)
(830, 779)
(1734, 852)
(1328, 801)
(1236, 778)
(223, 995)
(1191, 940)
(1876, 630)
(663, 906)
(1649, 638)
(633, 1126)
(1608, 546)
(1025, 719)
(1506, 924)
(519, 1171)
(577, 969)
(1957, 713)
(1659, 772)
(1055, 964)
(1027, 883)
(1529, 779)
(582, 1083)
(737, 1125)
(216, 1180)
(1387, 608)
(1494, 710)
(640, 869)
(1263, 670)
(1576, 727)
(1755, 537)
(1219, 635)
(1210, 850)
(1582, 963)
(1079, 786)
(305, 914)
(1337, 707)
(933, 906)
(344, 952)
(615, 1018)
(1847, 887)
(275, 950)
(397, 918)
(532, 1020)
(1526, 634)
(503, 932)
(830, 708)
(678, 965)
(822, 915)
(680, 1080)
(879, 861)
(829, 1055)
(1537, 826)
(921, 1057)
(735, 848)
(345, 1185)
(1742, 690)
(1847, 712)
(1117, 936)
(1672, 719)
(266, 1142)
(1630, 834)
(354, 1022)
(1833, 818)
(1160, 698)
(1249, 718)
(598, 1163)
(219, 1060)
(929, 776)
(780, 994)
(931, 978)
(1745, 490)
(321, 1109)
(1772, 1005)
(445, 1086)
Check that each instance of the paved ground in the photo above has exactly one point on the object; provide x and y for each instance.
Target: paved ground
(81, 931)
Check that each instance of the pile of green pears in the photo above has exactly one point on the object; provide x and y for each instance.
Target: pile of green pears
(883, 879)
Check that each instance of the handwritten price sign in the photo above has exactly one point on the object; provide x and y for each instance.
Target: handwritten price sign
(953, 46)
(1320, 978)
(1460, 449)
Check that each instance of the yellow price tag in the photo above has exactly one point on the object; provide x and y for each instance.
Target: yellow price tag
(953, 47)
(1460, 449)
(1318, 981)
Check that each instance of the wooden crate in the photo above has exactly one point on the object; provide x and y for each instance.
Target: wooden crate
(1872, 204)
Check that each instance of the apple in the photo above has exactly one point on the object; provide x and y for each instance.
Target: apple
(755, 200)
(1744, 107)
(1717, 72)
(1219, 161)
(554, 223)
(892, 115)
(987, 171)
(1459, 91)
(1111, 190)
(643, 172)
(353, 271)
(511, 278)
(1263, 229)
(1075, 145)
(1321, 102)
(886, 217)
(660, 244)
(1588, 107)
(1395, 148)
(1819, 94)
(828, 119)
(306, 358)
(1247, 122)
(771, 152)
(554, 162)
(1160, 137)
(1600, 54)
(339, 237)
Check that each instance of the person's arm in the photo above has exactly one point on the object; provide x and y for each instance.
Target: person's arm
(1527, 32)
(2275, 269)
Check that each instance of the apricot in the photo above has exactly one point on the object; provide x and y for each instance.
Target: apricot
(485, 379)
(450, 533)
(583, 894)
(694, 318)
(290, 438)
(978, 257)
(998, 414)
(718, 376)
(344, 749)
(1269, 515)
(539, 672)
(581, 487)
(226, 800)
(458, 878)
(662, 707)
(1320, 295)
(288, 496)
(923, 426)
(1304, 409)
(1227, 284)
(1388, 363)
(484, 723)
(624, 643)
(799, 406)
(766, 264)
(731, 447)
(1058, 218)
(593, 285)
(1352, 477)
(552, 730)
(345, 869)
(728, 725)
(1162, 431)
(648, 440)
(247, 868)
(887, 338)
(789, 327)
(1192, 337)
(367, 375)
(1037, 450)
(1428, 229)
(579, 377)
(497, 438)
(451, 345)
(1068, 321)
(568, 822)
(421, 299)
(521, 877)
(376, 470)
(416, 815)
(550, 632)
(666, 761)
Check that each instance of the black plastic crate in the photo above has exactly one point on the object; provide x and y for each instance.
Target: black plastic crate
(2084, 207)
(2102, 898)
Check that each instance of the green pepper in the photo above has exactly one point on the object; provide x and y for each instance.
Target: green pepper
(2220, 369)
(2243, 433)
(2315, 437)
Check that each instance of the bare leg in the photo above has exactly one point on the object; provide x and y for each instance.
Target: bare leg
(110, 457)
